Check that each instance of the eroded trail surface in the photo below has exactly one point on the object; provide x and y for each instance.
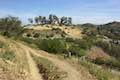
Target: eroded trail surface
(33, 67)
(73, 74)
(34, 72)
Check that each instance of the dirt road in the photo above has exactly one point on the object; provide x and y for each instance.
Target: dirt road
(73, 74)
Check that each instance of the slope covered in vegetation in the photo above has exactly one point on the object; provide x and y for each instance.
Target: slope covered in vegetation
(55, 52)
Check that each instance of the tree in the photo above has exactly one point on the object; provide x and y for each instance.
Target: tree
(55, 19)
(69, 21)
(10, 26)
(40, 19)
(36, 20)
(44, 20)
(30, 20)
(63, 20)
(50, 18)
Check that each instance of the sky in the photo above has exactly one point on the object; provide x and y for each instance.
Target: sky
(81, 11)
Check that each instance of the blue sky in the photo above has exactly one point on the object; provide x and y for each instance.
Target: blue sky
(82, 11)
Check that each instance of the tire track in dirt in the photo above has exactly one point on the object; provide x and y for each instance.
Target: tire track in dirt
(73, 74)
(33, 67)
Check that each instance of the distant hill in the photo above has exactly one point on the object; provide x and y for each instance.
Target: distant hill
(88, 25)
(112, 30)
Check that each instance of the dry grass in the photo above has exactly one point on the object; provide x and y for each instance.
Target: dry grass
(48, 69)
(99, 72)
(96, 52)
(82, 70)
(69, 30)
(13, 64)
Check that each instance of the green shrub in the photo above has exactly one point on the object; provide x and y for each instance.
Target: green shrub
(8, 55)
(36, 35)
(56, 46)
(28, 40)
(10, 26)
(99, 61)
(82, 43)
(115, 51)
(52, 45)
(76, 50)
(104, 45)
(69, 40)
(81, 53)
(111, 62)
(111, 49)
(100, 73)
(1, 44)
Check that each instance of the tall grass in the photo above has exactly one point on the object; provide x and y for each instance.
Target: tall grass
(100, 73)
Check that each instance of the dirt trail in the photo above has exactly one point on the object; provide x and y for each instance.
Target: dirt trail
(34, 72)
(73, 74)
(33, 67)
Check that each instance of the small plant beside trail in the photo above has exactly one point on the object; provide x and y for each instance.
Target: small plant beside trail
(1, 44)
(48, 70)
(7, 55)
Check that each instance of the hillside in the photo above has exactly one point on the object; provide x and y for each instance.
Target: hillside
(107, 35)
(65, 31)
(31, 66)
(52, 52)
(112, 30)
(29, 69)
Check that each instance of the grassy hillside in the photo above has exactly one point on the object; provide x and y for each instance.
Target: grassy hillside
(13, 63)
(112, 30)
(52, 52)
(55, 31)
